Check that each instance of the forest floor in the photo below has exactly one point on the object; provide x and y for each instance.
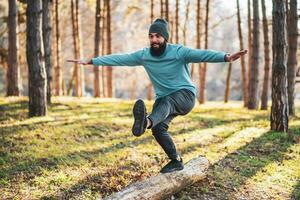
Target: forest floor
(84, 149)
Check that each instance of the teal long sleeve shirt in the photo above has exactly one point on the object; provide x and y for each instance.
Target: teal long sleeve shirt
(170, 71)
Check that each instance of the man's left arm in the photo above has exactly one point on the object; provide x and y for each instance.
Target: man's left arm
(197, 55)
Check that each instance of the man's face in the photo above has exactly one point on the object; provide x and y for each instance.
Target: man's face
(156, 40)
(157, 44)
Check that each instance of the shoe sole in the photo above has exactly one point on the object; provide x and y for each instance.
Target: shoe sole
(173, 170)
(139, 114)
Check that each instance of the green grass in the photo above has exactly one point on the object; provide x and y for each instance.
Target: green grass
(84, 149)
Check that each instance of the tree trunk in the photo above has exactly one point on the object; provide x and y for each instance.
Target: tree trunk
(57, 69)
(13, 71)
(253, 81)
(78, 31)
(109, 69)
(177, 22)
(149, 86)
(203, 67)
(244, 78)
(47, 39)
(279, 108)
(264, 95)
(186, 21)
(97, 50)
(167, 10)
(164, 185)
(227, 90)
(249, 46)
(104, 48)
(37, 73)
(162, 8)
(292, 54)
(199, 35)
(151, 11)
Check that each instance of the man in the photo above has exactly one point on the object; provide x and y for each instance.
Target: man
(168, 69)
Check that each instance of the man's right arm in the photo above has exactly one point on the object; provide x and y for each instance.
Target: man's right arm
(131, 59)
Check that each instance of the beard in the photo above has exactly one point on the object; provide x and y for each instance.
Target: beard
(158, 51)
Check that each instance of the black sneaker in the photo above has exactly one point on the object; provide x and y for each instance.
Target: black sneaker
(173, 165)
(140, 120)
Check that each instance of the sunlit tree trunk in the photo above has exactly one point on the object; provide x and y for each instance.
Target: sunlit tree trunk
(151, 11)
(203, 67)
(13, 71)
(96, 49)
(243, 65)
(162, 8)
(79, 46)
(264, 95)
(149, 85)
(186, 21)
(47, 39)
(109, 69)
(253, 81)
(227, 90)
(57, 69)
(279, 108)
(103, 47)
(292, 54)
(167, 10)
(199, 35)
(76, 66)
(37, 80)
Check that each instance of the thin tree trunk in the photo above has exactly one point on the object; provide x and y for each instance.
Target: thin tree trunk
(253, 82)
(151, 11)
(81, 69)
(47, 39)
(162, 8)
(265, 90)
(292, 54)
(249, 45)
(167, 10)
(198, 41)
(279, 108)
(109, 69)
(227, 90)
(57, 70)
(97, 50)
(149, 86)
(203, 68)
(186, 21)
(13, 71)
(103, 47)
(37, 73)
(177, 22)
(244, 78)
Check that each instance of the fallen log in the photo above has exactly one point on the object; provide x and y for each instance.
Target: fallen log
(164, 185)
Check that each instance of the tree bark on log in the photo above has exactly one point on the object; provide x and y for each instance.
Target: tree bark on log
(164, 185)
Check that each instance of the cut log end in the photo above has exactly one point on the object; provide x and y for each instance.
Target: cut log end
(164, 185)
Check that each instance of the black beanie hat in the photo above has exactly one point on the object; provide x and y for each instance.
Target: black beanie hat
(160, 26)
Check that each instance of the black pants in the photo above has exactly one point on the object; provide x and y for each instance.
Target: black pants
(164, 110)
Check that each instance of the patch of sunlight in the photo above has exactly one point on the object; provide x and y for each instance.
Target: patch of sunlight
(216, 152)
(29, 121)
(277, 179)
(238, 140)
(220, 104)
(203, 136)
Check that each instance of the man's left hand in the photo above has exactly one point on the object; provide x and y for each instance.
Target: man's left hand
(235, 56)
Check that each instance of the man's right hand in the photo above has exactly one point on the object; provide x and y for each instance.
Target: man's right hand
(81, 62)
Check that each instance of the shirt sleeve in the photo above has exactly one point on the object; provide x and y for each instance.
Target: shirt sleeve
(190, 55)
(131, 59)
